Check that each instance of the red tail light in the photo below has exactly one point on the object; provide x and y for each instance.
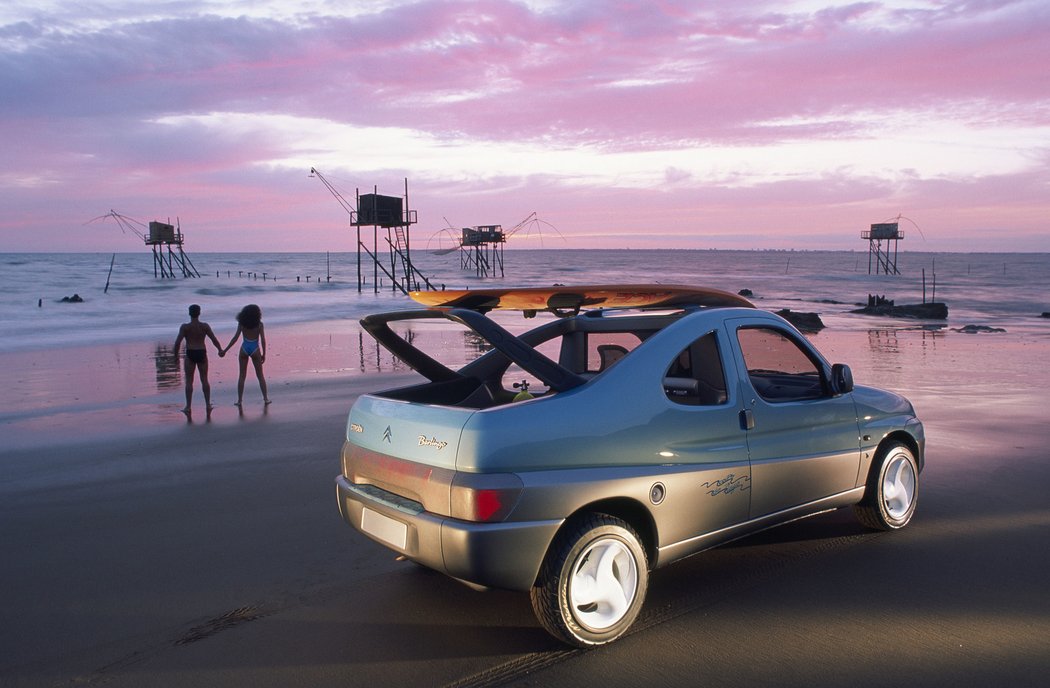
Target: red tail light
(484, 497)
(487, 503)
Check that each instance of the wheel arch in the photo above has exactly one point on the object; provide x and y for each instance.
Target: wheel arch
(907, 440)
(628, 510)
(874, 510)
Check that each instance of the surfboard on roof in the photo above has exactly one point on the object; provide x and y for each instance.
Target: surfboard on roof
(566, 298)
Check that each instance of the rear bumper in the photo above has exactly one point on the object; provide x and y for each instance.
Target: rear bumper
(494, 555)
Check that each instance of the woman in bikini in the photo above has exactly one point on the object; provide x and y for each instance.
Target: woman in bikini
(253, 346)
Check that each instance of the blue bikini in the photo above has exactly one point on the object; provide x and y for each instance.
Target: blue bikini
(249, 346)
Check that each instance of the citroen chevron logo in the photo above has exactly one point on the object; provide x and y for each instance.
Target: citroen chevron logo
(386, 434)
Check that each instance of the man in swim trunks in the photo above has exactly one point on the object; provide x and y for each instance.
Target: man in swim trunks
(195, 332)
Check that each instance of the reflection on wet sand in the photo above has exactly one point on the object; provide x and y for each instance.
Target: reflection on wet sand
(887, 341)
(887, 348)
(475, 344)
(169, 368)
(883, 341)
(373, 358)
(453, 347)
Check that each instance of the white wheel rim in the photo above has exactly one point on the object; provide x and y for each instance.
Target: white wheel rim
(898, 487)
(603, 584)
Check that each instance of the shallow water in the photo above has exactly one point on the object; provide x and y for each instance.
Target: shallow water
(106, 365)
(998, 290)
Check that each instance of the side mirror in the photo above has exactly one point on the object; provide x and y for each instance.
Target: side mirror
(841, 378)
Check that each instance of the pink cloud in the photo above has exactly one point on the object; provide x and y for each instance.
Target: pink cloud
(78, 116)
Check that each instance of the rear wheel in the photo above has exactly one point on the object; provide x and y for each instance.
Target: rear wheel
(892, 490)
(593, 582)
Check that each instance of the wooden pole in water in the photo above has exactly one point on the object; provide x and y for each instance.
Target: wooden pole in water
(111, 261)
(375, 241)
(933, 299)
(924, 285)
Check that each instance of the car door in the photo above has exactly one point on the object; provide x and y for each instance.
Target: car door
(803, 439)
(701, 430)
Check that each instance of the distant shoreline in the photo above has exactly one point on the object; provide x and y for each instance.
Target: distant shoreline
(648, 249)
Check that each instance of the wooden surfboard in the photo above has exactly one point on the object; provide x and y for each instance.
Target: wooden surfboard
(573, 298)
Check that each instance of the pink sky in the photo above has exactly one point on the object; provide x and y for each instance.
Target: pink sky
(750, 124)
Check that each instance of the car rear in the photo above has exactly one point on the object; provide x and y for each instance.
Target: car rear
(399, 486)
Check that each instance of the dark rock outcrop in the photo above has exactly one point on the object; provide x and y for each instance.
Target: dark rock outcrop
(880, 305)
(977, 329)
(805, 322)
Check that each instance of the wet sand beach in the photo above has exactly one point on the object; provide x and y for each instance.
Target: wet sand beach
(142, 549)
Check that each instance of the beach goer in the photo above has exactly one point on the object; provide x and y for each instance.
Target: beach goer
(196, 334)
(253, 347)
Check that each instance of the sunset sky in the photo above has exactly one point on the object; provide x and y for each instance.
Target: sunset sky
(647, 124)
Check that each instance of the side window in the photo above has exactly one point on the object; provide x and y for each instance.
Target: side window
(606, 348)
(695, 376)
(778, 368)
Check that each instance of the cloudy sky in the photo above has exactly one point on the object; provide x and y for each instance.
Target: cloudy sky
(653, 123)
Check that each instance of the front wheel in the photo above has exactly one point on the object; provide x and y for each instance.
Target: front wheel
(592, 583)
(892, 490)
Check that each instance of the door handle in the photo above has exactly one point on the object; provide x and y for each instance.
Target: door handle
(747, 420)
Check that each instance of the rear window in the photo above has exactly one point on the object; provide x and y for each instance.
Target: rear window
(588, 354)
(606, 348)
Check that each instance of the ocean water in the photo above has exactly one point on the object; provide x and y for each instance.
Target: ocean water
(104, 368)
(1004, 290)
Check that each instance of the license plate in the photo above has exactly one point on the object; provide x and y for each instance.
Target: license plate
(385, 528)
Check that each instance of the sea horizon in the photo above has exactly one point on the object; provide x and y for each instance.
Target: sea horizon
(509, 249)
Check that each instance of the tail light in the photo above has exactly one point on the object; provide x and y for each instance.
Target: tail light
(485, 497)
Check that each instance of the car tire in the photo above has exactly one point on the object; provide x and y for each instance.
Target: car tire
(593, 581)
(892, 490)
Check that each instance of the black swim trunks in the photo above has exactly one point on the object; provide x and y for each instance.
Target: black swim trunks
(197, 355)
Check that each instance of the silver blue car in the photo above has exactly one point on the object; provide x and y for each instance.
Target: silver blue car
(571, 460)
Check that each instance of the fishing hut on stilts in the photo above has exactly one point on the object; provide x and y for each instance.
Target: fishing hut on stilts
(883, 259)
(390, 220)
(481, 249)
(163, 235)
(165, 241)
